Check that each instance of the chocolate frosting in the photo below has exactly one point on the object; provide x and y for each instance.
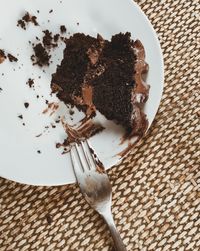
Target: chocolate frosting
(141, 89)
(85, 130)
(140, 92)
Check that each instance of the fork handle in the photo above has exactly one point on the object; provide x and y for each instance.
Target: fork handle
(118, 243)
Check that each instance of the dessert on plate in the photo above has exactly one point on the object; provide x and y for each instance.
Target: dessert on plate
(106, 76)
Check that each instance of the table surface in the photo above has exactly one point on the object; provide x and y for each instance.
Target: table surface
(156, 190)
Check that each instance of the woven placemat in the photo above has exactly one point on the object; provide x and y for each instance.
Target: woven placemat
(156, 190)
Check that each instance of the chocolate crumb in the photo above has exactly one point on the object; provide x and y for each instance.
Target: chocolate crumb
(42, 50)
(2, 56)
(63, 29)
(53, 126)
(41, 56)
(63, 39)
(27, 18)
(12, 58)
(1, 89)
(23, 124)
(30, 82)
(49, 219)
(20, 116)
(56, 37)
(77, 23)
(46, 101)
(37, 96)
(51, 11)
(34, 20)
(38, 11)
(38, 151)
(21, 23)
(26, 105)
(47, 39)
(58, 145)
(57, 121)
(71, 112)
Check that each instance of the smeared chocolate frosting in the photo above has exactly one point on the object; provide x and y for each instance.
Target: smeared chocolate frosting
(84, 131)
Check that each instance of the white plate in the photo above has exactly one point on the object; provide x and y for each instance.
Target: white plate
(19, 159)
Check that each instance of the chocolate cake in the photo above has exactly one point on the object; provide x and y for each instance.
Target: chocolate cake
(97, 74)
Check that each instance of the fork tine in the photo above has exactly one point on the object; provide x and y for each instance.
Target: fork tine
(81, 156)
(88, 155)
(74, 163)
(76, 160)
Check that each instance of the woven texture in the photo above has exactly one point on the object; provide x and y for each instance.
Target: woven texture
(156, 190)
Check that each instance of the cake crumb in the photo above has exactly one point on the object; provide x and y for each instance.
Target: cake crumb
(26, 105)
(47, 39)
(20, 116)
(63, 29)
(51, 11)
(12, 58)
(30, 82)
(21, 23)
(41, 56)
(58, 145)
(27, 18)
(56, 37)
(38, 151)
(2, 56)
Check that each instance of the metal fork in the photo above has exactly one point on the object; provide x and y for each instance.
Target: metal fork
(95, 186)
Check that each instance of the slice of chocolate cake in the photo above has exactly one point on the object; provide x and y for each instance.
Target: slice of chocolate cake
(97, 74)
